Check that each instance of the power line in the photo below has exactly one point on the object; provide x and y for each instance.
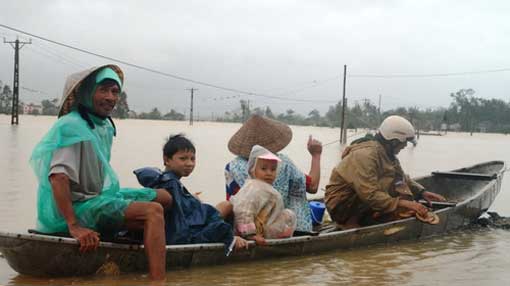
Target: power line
(303, 86)
(33, 90)
(250, 93)
(222, 98)
(429, 75)
(53, 57)
(62, 56)
(156, 71)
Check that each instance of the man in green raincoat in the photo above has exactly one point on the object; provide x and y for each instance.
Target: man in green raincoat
(78, 190)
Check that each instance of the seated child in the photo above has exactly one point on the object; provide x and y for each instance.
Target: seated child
(187, 220)
(258, 207)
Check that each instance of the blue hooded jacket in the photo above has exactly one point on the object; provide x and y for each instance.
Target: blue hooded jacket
(188, 220)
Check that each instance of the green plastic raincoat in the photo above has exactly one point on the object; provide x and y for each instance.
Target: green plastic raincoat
(104, 212)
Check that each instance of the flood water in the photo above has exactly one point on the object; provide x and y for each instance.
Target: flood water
(471, 257)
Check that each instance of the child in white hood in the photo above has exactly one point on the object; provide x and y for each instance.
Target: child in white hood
(258, 207)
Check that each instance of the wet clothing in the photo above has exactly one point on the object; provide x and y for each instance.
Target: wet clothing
(82, 167)
(104, 211)
(367, 180)
(290, 183)
(258, 209)
(188, 220)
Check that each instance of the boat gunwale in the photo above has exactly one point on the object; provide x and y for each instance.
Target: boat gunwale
(270, 242)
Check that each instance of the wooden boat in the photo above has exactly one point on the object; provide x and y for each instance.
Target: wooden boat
(472, 190)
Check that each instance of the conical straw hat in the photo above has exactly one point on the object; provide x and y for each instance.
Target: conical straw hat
(257, 130)
(73, 83)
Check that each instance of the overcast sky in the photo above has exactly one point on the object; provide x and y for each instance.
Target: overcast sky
(289, 49)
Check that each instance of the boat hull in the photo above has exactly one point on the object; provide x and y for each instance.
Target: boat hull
(40, 255)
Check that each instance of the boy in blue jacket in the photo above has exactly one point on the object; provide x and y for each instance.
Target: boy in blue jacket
(187, 220)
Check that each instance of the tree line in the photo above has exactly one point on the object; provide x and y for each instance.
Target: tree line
(50, 107)
(466, 113)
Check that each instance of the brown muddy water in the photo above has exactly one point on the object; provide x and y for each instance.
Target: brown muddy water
(469, 257)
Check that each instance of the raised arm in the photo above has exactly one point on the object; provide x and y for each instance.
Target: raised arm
(315, 148)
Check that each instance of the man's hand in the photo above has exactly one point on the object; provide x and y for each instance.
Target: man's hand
(432, 197)
(314, 146)
(88, 239)
(417, 207)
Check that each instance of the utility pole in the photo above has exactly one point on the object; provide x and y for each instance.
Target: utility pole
(15, 85)
(343, 140)
(345, 129)
(445, 123)
(245, 109)
(191, 106)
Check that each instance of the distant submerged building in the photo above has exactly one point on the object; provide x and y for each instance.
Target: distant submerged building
(32, 108)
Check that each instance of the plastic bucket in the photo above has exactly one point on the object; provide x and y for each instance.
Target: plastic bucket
(317, 210)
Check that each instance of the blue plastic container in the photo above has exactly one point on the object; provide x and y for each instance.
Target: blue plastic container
(317, 210)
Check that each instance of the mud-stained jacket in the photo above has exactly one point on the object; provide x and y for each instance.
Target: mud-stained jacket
(369, 176)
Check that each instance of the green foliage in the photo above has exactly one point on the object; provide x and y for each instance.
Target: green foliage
(426, 120)
(291, 117)
(174, 115)
(245, 109)
(5, 99)
(268, 113)
(155, 114)
(468, 112)
(50, 107)
(334, 114)
(479, 114)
